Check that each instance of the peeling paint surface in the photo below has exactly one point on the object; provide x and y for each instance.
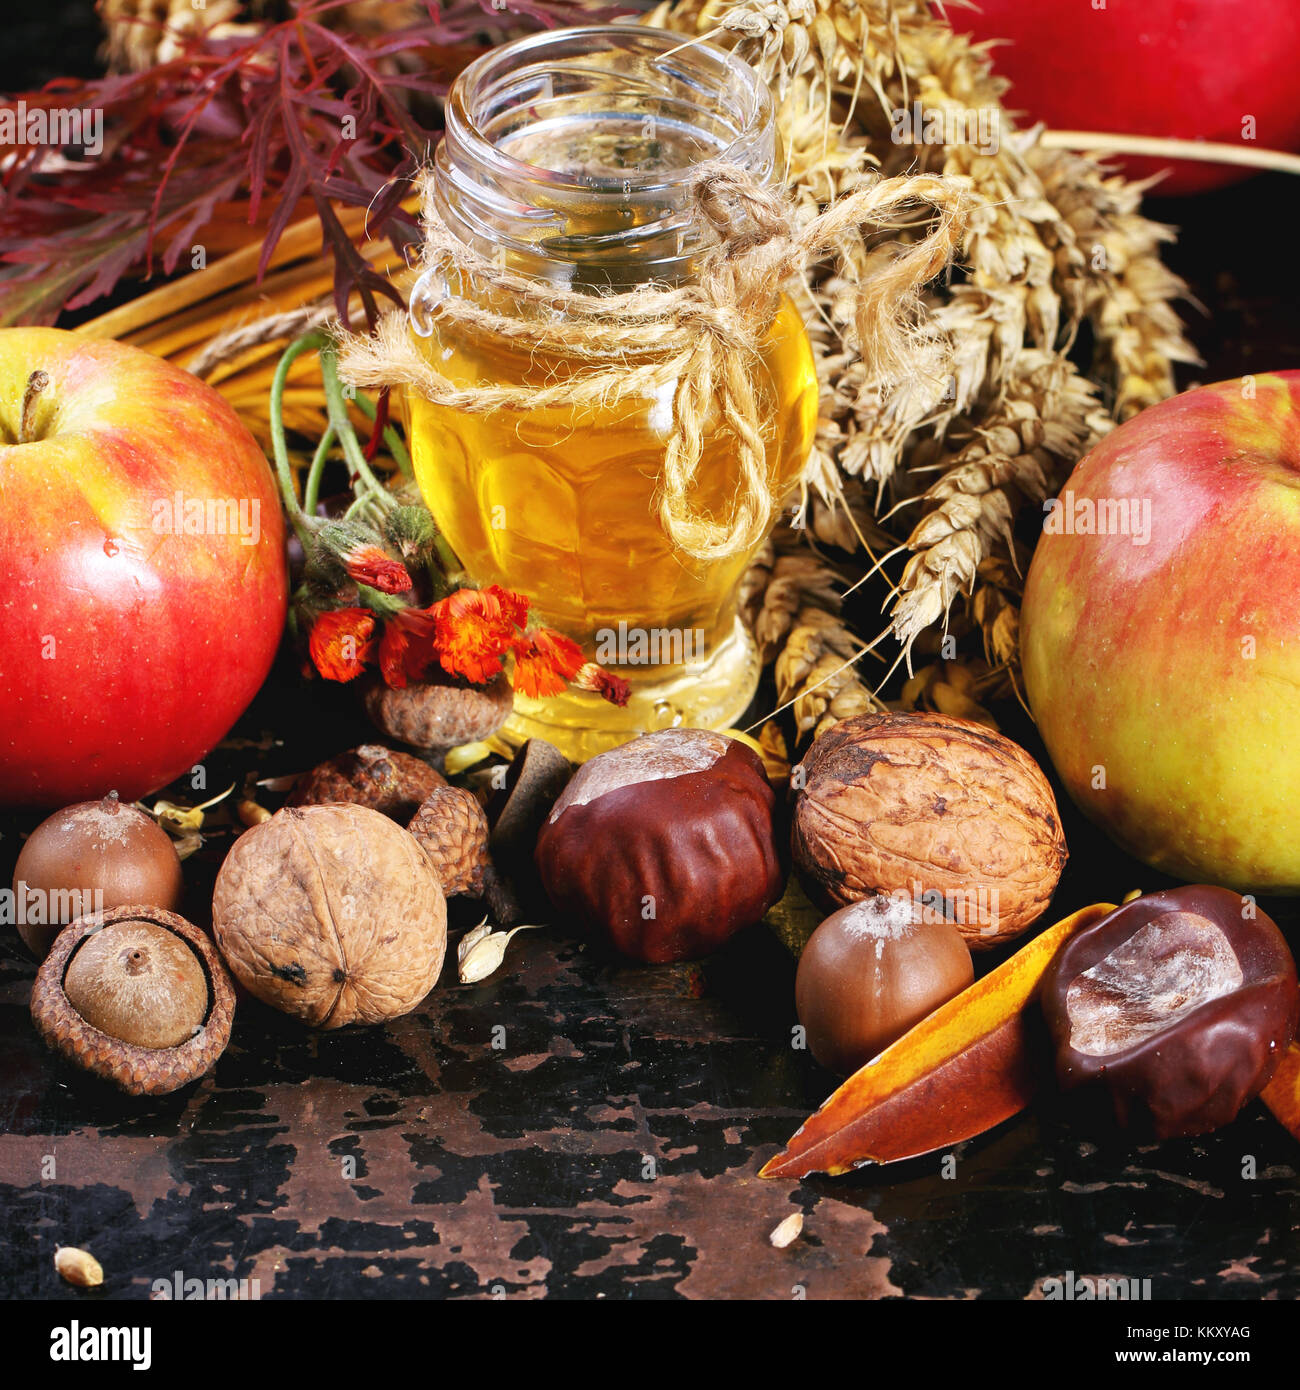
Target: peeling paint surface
(601, 1143)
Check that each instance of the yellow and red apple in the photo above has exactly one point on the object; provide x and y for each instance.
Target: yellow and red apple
(1164, 669)
(143, 582)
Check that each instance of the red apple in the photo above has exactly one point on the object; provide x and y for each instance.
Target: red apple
(142, 569)
(1161, 634)
(1190, 69)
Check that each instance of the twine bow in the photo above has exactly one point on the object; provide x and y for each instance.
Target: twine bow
(705, 336)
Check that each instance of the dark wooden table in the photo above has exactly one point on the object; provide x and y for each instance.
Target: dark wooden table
(578, 1128)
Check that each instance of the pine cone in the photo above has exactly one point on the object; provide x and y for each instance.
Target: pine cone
(454, 832)
(386, 781)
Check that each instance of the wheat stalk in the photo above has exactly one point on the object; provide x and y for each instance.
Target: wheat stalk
(939, 469)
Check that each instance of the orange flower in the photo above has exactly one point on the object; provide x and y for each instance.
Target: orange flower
(341, 642)
(513, 604)
(368, 564)
(474, 628)
(406, 650)
(545, 660)
(394, 652)
(603, 683)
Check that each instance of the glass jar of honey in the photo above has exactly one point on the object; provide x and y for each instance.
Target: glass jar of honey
(568, 158)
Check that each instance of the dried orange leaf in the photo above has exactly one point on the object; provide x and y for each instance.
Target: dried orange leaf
(1282, 1094)
(959, 1072)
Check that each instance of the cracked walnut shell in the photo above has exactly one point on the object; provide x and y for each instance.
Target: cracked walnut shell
(937, 808)
(333, 914)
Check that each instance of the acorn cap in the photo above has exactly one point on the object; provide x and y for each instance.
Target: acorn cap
(453, 830)
(434, 716)
(139, 1071)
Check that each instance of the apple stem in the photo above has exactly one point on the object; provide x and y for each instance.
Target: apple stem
(36, 383)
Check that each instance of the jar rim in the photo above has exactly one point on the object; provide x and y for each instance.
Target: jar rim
(481, 77)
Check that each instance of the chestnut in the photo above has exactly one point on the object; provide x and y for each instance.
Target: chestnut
(664, 846)
(105, 848)
(870, 972)
(1178, 1005)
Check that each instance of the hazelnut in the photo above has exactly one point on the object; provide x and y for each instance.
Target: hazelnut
(1176, 1006)
(870, 972)
(390, 782)
(333, 914)
(665, 846)
(942, 810)
(137, 996)
(81, 852)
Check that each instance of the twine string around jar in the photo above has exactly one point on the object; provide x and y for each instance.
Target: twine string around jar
(704, 335)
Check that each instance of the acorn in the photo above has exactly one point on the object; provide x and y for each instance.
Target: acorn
(137, 996)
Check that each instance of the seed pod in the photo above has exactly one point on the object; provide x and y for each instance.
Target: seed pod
(392, 783)
(481, 956)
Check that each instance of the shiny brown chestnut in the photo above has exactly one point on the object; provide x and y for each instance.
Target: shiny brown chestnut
(1179, 1004)
(665, 846)
(870, 972)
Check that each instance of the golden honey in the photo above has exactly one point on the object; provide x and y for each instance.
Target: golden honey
(560, 503)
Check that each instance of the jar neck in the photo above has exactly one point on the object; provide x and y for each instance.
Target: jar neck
(569, 154)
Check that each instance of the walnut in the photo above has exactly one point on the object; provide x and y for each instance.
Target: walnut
(333, 914)
(942, 810)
